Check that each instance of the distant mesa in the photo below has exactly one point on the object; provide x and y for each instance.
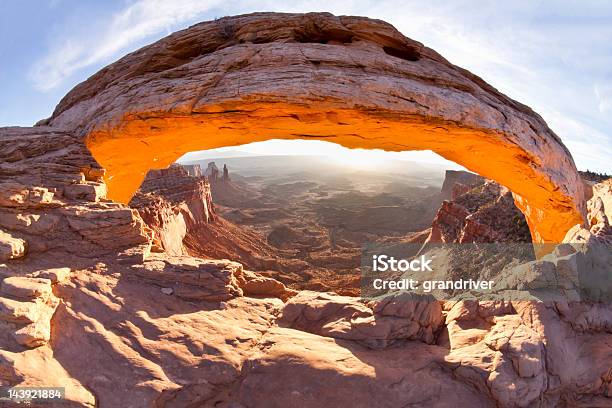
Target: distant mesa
(226, 176)
(194, 170)
(212, 172)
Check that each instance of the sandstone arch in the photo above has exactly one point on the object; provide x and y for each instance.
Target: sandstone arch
(350, 80)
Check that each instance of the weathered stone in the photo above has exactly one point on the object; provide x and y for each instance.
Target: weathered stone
(385, 323)
(36, 224)
(193, 278)
(34, 334)
(134, 255)
(11, 247)
(480, 212)
(167, 291)
(603, 191)
(21, 196)
(55, 275)
(89, 191)
(564, 250)
(173, 203)
(30, 315)
(108, 226)
(256, 285)
(26, 288)
(17, 311)
(463, 310)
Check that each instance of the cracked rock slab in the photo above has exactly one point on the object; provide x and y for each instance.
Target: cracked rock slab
(26, 288)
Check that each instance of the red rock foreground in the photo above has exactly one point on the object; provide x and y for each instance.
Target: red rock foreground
(85, 305)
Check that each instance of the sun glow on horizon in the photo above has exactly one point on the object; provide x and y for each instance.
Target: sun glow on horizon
(343, 156)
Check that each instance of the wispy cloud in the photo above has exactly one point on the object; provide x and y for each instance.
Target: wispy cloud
(603, 93)
(130, 26)
(590, 147)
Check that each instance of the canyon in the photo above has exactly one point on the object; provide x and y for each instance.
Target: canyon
(302, 223)
(108, 299)
(306, 224)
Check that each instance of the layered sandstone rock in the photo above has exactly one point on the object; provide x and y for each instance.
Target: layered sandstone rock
(177, 186)
(602, 202)
(26, 307)
(193, 278)
(457, 182)
(493, 336)
(52, 200)
(479, 211)
(165, 219)
(257, 285)
(348, 80)
(200, 341)
(173, 203)
(11, 247)
(376, 325)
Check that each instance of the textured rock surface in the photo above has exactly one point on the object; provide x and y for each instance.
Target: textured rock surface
(205, 343)
(26, 305)
(457, 182)
(172, 203)
(192, 278)
(256, 285)
(376, 325)
(602, 202)
(11, 247)
(26, 288)
(478, 212)
(349, 80)
(39, 167)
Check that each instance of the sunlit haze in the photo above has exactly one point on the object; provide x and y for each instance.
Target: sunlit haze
(356, 158)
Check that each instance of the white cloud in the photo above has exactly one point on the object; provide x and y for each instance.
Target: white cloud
(603, 93)
(590, 147)
(136, 23)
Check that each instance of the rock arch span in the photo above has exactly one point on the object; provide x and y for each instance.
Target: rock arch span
(349, 80)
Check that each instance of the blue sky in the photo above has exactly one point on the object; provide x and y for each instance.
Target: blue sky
(555, 56)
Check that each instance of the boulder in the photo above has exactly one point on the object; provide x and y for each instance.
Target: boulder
(376, 325)
(193, 278)
(18, 311)
(254, 284)
(11, 247)
(26, 288)
(55, 275)
(88, 190)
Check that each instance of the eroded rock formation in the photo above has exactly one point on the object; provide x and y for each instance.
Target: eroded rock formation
(457, 182)
(165, 331)
(348, 80)
(172, 203)
(477, 210)
(52, 198)
(180, 330)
